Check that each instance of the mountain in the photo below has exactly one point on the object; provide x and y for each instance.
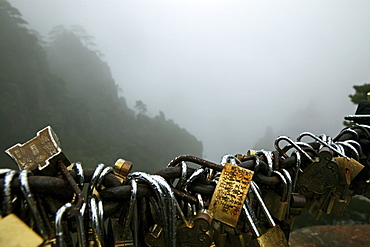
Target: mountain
(67, 85)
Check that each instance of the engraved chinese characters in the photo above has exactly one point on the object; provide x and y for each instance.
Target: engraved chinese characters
(230, 193)
(40, 151)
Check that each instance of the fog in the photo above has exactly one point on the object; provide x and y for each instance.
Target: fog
(230, 72)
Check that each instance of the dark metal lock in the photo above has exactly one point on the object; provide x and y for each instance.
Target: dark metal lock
(115, 233)
(236, 238)
(321, 176)
(155, 237)
(219, 233)
(198, 231)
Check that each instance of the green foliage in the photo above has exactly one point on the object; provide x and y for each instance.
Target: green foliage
(360, 94)
(68, 86)
(141, 107)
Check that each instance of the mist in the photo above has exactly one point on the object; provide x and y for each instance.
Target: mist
(229, 72)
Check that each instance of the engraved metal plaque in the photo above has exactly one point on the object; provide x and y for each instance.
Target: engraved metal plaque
(230, 193)
(37, 152)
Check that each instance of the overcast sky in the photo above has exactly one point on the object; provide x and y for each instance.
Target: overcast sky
(228, 70)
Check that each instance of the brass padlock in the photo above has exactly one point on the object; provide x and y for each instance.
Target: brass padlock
(11, 227)
(230, 193)
(115, 233)
(277, 204)
(348, 170)
(122, 168)
(155, 237)
(274, 236)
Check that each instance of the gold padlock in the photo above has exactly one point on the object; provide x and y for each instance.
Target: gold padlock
(122, 168)
(277, 207)
(115, 233)
(274, 236)
(11, 227)
(155, 237)
(230, 193)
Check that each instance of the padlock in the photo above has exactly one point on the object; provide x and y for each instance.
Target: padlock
(183, 176)
(96, 227)
(198, 231)
(236, 238)
(297, 203)
(7, 206)
(348, 146)
(122, 168)
(81, 234)
(335, 147)
(173, 207)
(227, 236)
(321, 204)
(292, 144)
(166, 201)
(274, 236)
(59, 231)
(348, 170)
(276, 204)
(14, 232)
(337, 198)
(297, 169)
(31, 201)
(268, 156)
(131, 217)
(155, 237)
(96, 230)
(230, 193)
(219, 233)
(228, 158)
(41, 152)
(115, 233)
(77, 167)
(321, 176)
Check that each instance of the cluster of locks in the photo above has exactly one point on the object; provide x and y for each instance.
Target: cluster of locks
(245, 200)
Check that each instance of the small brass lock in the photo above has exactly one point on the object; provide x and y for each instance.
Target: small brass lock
(115, 234)
(155, 237)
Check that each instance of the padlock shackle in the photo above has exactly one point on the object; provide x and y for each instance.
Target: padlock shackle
(262, 204)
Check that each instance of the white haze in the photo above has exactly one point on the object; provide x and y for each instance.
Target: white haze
(228, 71)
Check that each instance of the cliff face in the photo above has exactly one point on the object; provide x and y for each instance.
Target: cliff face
(25, 81)
(67, 85)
